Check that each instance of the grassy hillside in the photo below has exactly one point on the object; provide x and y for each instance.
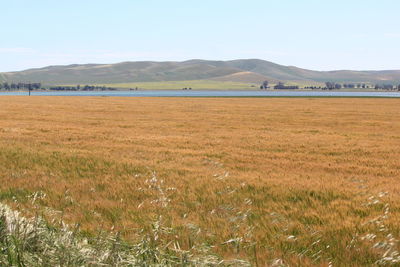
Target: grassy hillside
(241, 71)
(121, 72)
(244, 76)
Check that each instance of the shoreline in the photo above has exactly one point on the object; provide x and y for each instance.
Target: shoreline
(202, 90)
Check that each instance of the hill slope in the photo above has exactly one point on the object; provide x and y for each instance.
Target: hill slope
(245, 70)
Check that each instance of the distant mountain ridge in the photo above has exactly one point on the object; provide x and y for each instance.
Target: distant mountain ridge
(241, 70)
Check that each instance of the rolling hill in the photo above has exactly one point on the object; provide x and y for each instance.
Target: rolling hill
(243, 71)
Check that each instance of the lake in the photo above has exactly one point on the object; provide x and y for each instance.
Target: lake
(194, 93)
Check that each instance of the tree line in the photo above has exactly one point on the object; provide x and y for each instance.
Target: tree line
(82, 88)
(334, 86)
(20, 86)
(38, 86)
(387, 87)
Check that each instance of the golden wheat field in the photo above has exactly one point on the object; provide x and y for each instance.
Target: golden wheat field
(273, 181)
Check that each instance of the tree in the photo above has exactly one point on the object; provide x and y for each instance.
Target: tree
(264, 85)
(330, 85)
(6, 86)
(388, 86)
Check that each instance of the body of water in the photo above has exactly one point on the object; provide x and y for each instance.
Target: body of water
(194, 93)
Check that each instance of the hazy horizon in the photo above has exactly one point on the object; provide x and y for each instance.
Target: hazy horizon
(340, 35)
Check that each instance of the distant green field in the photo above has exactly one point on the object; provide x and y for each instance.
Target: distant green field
(194, 84)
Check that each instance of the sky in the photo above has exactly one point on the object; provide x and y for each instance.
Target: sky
(312, 34)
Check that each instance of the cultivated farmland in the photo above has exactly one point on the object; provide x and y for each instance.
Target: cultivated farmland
(291, 181)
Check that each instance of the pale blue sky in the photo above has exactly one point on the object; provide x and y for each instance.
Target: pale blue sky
(314, 34)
